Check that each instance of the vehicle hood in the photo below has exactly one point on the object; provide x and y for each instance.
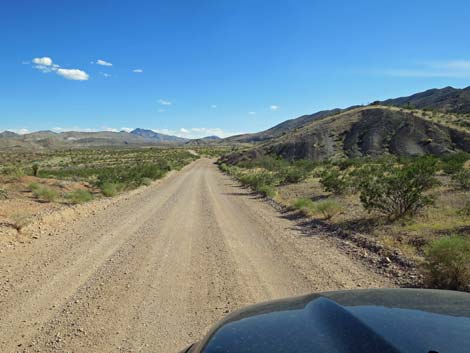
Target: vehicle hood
(385, 321)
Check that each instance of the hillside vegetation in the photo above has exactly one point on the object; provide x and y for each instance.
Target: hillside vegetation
(368, 131)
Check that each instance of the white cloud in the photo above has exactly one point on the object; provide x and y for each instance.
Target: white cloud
(126, 129)
(161, 110)
(196, 132)
(73, 128)
(109, 129)
(274, 107)
(139, 71)
(252, 113)
(45, 61)
(46, 65)
(103, 63)
(104, 74)
(164, 102)
(449, 69)
(73, 74)
(213, 106)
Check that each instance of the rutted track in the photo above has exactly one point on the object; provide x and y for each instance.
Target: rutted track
(153, 272)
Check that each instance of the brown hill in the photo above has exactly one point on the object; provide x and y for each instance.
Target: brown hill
(366, 131)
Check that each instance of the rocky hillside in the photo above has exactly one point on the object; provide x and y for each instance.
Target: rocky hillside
(446, 100)
(282, 128)
(365, 131)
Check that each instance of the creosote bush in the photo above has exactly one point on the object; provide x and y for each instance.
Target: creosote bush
(335, 181)
(447, 263)
(398, 191)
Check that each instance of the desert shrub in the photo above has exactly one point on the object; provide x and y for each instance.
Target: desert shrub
(267, 190)
(462, 179)
(397, 191)
(146, 181)
(14, 172)
(33, 186)
(453, 163)
(3, 194)
(20, 220)
(109, 189)
(447, 263)
(291, 175)
(335, 181)
(257, 179)
(328, 208)
(79, 196)
(44, 193)
(305, 205)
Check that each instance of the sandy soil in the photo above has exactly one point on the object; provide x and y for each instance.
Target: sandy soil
(152, 271)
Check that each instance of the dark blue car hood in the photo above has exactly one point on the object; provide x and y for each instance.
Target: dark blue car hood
(385, 321)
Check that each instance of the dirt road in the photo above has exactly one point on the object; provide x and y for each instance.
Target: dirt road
(153, 272)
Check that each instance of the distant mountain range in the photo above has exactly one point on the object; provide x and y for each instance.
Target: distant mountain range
(42, 140)
(435, 121)
(150, 134)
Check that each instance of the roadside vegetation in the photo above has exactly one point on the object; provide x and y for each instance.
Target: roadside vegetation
(418, 207)
(33, 183)
(77, 176)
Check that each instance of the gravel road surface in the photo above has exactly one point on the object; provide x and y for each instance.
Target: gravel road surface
(153, 272)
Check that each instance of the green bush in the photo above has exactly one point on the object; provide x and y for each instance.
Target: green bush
(109, 189)
(335, 181)
(397, 191)
(462, 179)
(45, 194)
(33, 186)
(79, 196)
(257, 179)
(291, 175)
(305, 205)
(328, 208)
(453, 163)
(267, 190)
(14, 172)
(3, 194)
(146, 181)
(447, 263)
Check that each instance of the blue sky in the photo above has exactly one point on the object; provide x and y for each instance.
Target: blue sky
(218, 66)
